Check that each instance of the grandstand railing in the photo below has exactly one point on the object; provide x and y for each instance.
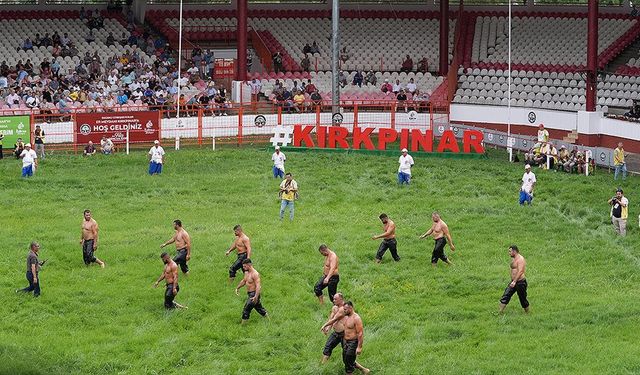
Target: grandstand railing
(236, 124)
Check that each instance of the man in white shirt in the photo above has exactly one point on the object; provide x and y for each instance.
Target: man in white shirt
(156, 158)
(29, 161)
(543, 134)
(528, 183)
(278, 159)
(404, 171)
(411, 86)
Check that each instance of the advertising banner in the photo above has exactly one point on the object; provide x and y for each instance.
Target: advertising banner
(143, 127)
(224, 68)
(14, 127)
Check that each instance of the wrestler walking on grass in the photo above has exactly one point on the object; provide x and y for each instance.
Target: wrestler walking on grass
(441, 235)
(89, 239)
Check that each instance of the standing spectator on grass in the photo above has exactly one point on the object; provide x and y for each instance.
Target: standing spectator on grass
(29, 161)
(89, 149)
(619, 212)
(278, 159)
(106, 146)
(619, 163)
(404, 171)
(528, 183)
(38, 134)
(33, 270)
(518, 282)
(407, 65)
(1, 139)
(543, 134)
(288, 194)
(156, 158)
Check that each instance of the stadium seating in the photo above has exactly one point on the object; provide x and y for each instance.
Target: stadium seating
(535, 39)
(17, 30)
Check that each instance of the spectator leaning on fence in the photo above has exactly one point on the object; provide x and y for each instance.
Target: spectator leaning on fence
(619, 163)
(619, 212)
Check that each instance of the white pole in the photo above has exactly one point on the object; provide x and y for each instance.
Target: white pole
(587, 155)
(179, 65)
(127, 139)
(509, 92)
(213, 143)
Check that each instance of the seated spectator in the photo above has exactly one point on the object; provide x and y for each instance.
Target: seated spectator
(552, 155)
(220, 103)
(111, 41)
(344, 55)
(13, 99)
(316, 98)
(371, 78)
(309, 88)
(306, 49)
(581, 162)
(27, 45)
(420, 100)
(90, 37)
(122, 98)
(402, 100)
(423, 65)
(563, 157)
(83, 14)
(124, 40)
(65, 40)
(541, 157)
(529, 157)
(571, 160)
(407, 65)
(315, 48)
(358, 78)
(89, 149)
(294, 88)
(298, 101)
(386, 87)
(18, 147)
(37, 41)
(342, 79)
(411, 86)
(305, 63)
(397, 87)
(46, 40)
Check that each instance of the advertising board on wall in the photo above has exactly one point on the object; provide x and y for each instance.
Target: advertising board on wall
(143, 126)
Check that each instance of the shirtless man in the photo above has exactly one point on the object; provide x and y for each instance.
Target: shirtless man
(389, 239)
(518, 281)
(440, 232)
(330, 275)
(183, 246)
(170, 275)
(336, 337)
(89, 239)
(252, 280)
(243, 245)
(353, 336)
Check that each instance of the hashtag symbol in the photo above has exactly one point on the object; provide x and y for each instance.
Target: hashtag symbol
(282, 136)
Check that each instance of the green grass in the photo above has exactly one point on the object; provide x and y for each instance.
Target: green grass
(583, 280)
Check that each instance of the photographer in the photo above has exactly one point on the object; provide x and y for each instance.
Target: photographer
(619, 212)
(288, 194)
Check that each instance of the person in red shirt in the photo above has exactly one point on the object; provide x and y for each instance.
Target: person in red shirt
(310, 88)
(386, 86)
(407, 65)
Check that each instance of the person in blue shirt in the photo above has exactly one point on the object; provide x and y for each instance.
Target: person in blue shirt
(122, 98)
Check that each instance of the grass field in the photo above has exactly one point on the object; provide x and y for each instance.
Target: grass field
(583, 280)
